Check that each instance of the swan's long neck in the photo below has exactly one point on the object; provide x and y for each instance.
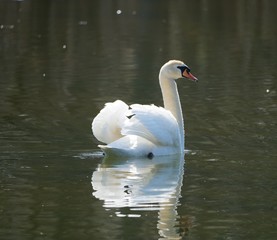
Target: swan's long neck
(172, 103)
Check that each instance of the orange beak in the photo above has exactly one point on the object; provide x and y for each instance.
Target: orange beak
(189, 76)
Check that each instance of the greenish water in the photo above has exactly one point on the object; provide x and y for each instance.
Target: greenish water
(62, 60)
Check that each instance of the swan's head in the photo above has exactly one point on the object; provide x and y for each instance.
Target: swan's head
(175, 69)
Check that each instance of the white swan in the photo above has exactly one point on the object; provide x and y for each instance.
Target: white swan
(145, 130)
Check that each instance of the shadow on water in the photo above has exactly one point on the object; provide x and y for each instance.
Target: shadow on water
(128, 187)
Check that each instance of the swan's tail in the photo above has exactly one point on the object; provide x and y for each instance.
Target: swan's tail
(106, 126)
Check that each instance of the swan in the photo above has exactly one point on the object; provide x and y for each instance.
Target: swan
(145, 130)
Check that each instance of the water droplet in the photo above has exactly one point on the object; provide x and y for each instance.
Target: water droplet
(118, 12)
(83, 23)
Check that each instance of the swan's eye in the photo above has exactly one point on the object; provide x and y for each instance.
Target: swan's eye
(184, 68)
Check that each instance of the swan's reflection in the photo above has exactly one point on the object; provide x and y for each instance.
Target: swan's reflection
(142, 184)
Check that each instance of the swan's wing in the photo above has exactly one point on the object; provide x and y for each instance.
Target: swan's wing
(153, 123)
(106, 126)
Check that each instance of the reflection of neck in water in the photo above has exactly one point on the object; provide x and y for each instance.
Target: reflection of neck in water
(168, 215)
(142, 185)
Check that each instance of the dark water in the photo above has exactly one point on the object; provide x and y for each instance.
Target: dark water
(62, 60)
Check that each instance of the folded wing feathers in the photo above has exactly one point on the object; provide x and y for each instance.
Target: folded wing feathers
(153, 123)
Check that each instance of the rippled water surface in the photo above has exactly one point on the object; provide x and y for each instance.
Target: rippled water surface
(62, 60)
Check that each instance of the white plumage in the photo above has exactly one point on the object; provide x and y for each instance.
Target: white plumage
(145, 130)
(106, 126)
(153, 123)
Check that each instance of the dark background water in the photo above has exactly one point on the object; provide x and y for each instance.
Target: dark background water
(62, 60)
